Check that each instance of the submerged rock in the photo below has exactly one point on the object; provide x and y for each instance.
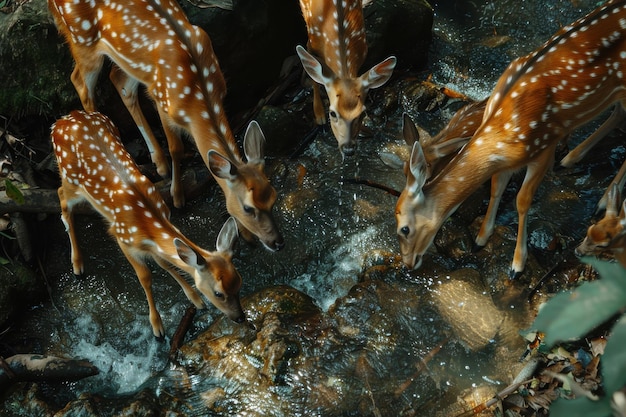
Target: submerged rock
(301, 360)
(468, 308)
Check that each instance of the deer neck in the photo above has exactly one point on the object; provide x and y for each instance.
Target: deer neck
(340, 37)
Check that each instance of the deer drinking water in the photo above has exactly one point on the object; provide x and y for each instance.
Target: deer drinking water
(538, 101)
(95, 167)
(152, 43)
(336, 51)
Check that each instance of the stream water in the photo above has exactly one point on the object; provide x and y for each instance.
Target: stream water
(329, 225)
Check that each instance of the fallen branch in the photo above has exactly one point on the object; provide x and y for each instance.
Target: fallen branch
(35, 368)
(181, 331)
(39, 200)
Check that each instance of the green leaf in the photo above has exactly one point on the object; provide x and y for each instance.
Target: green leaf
(614, 359)
(571, 315)
(607, 270)
(581, 407)
(13, 192)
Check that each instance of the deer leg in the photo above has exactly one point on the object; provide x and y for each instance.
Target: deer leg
(176, 148)
(84, 77)
(498, 185)
(68, 220)
(535, 172)
(579, 152)
(127, 88)
(191, 294)
(145, 278)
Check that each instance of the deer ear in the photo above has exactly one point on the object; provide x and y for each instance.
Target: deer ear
(418, 171)
(391, 160)
(221, 167)
(227, 236)
(253, 143)
(446, 148)
(312, 66)
(613, 200)
(379, 74)
(409, 130)
(188, 255)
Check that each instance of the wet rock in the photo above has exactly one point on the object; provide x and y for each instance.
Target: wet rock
(379, 258)
(21, 288)
(543, 236)
(300, 360)
(143, 403)
(282, 129)
(388, 322)
(466, 305)
(29, 401)
(454, 239)
(256, 364)
(401, 28)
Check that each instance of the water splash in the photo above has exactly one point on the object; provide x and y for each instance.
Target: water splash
(326, 281)
(122, 368)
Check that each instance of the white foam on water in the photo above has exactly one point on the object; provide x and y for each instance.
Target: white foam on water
(123, 368)
(332, 276)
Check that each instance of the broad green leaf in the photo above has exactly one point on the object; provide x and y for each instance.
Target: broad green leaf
(571, 315)
(13, 192)
(607, 270)
(614, 359)
(581, 407)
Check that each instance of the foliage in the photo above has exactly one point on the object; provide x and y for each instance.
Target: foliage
(573, 314)
(13, 192)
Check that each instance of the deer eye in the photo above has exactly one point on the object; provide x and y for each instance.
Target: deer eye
(218, 294)
(333, 114)
(405, 230)
(248, 209)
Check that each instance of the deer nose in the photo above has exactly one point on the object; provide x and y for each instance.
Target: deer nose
(578, 252)
(347, 150)
(275, 244)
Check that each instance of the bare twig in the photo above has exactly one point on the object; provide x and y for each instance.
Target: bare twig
(181, 331)
(373, 184)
